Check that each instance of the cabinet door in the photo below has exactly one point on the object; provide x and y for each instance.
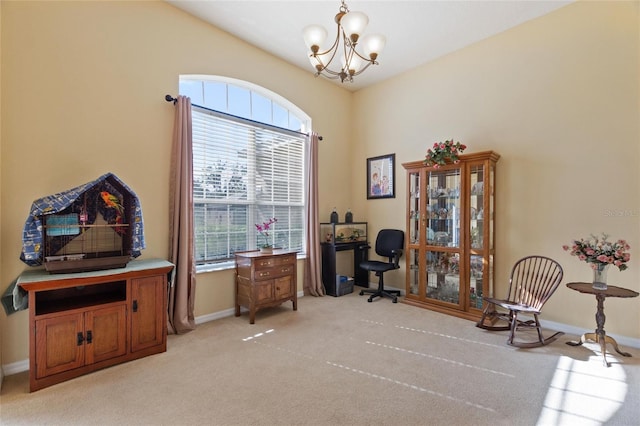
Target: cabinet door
(263, 291)
(416, 225)
(283, 287)
(59, 344)
(147, 312)
(105, 333)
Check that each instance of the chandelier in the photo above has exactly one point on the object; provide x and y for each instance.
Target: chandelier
(351, 25)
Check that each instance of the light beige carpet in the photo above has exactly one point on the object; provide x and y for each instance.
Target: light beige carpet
(343, 361)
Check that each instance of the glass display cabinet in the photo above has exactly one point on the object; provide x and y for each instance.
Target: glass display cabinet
(450, 229)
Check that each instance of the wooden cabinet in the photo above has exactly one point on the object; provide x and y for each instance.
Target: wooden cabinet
(450, 234)
(82, 322)
(264, 280)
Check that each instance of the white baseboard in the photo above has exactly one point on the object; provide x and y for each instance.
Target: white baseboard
(20, 366)
(15, 367)
(226, 313)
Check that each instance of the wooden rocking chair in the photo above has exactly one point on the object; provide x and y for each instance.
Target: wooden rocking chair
(533, 280)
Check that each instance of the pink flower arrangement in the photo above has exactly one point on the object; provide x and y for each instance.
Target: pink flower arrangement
(264, 228)
(598, 251)
(441, 152)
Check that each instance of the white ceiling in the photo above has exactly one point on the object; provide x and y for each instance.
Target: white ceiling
(417, 31)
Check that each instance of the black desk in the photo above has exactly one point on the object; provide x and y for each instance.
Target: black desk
(360, 254)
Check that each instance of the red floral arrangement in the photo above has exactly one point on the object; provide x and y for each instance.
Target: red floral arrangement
(441, 152)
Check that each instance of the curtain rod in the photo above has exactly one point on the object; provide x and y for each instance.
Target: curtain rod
(170, 98)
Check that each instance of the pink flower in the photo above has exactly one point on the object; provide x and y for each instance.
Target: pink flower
(598, 251)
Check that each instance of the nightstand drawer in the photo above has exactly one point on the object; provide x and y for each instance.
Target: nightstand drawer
(271, 262)
(270, 273)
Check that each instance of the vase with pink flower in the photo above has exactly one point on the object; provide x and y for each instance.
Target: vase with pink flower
(600, 254)
(263, 231)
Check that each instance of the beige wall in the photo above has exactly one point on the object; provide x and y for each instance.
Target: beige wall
(558, 98)
(83, 87)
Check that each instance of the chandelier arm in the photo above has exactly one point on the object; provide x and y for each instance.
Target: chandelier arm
(364, 68)
(333, 49)
(371, 61)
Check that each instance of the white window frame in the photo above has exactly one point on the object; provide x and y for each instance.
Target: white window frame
(293, 111)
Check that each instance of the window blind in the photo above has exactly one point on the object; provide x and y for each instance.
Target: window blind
(245, 173)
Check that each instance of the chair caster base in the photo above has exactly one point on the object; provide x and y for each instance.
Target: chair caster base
(389, 294)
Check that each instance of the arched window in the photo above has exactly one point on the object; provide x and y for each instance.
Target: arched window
(248, 161)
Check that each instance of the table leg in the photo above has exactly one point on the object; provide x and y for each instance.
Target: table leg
(594, 337)
(599, 336)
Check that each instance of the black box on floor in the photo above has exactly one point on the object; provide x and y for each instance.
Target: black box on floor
(344, 285)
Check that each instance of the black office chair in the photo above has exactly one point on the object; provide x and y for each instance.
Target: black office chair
(390, 244)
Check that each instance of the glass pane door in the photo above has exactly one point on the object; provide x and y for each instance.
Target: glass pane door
(414, 271)
(414, 208)
(443, 208)
(476, 275)
(476, 207)
(443, 276)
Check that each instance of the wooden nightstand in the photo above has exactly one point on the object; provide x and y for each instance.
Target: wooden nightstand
(265, 280)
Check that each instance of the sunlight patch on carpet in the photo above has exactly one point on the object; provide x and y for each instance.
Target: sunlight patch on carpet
(422, 354)
(448, 336)
(584, 392)
(410, 386)
(258, 335)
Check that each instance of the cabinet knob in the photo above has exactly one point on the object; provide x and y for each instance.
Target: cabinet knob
(134, 306)
(80, 339)
(89, 337)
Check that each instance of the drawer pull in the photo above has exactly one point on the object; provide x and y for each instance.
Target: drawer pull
(265, 274)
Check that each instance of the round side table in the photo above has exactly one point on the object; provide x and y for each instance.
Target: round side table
(599, 336)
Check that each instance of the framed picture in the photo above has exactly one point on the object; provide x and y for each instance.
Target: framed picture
(381, 173)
